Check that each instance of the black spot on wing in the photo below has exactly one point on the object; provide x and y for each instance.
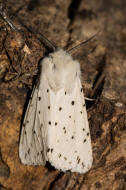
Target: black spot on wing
(51, 150)
(72, 103)
(60, 108)
(82, 164)
(78, 159)
(47, 90)
(49, 122)
(39, 98)
(84, 140)
(64, 130)
(48, 149)
(55, 123)
(49, 107)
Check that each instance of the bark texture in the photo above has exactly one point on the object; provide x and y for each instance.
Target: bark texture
(103, 63)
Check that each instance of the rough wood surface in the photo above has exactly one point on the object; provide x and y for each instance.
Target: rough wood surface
(103, 63)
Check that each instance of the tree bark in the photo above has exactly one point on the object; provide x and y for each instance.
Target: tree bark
(103, 65)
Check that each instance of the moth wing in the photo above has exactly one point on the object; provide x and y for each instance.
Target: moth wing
(68, 137)
(31, 146)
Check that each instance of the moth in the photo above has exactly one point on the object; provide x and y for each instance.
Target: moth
(55, 126)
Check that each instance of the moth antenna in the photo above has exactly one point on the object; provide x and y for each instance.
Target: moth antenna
(47, 41)
(82, 43)
(39, 36)
(3, 14)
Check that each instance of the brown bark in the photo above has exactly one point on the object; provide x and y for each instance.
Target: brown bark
(103, 65)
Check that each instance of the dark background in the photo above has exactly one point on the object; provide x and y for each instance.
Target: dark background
(65, 23)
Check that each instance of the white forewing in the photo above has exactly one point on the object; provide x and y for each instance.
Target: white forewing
(31, 147)
(69, 144)
(55, 126)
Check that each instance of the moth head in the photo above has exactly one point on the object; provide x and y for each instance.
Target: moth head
(60, 69)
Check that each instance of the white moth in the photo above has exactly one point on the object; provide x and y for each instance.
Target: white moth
(55, 126)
